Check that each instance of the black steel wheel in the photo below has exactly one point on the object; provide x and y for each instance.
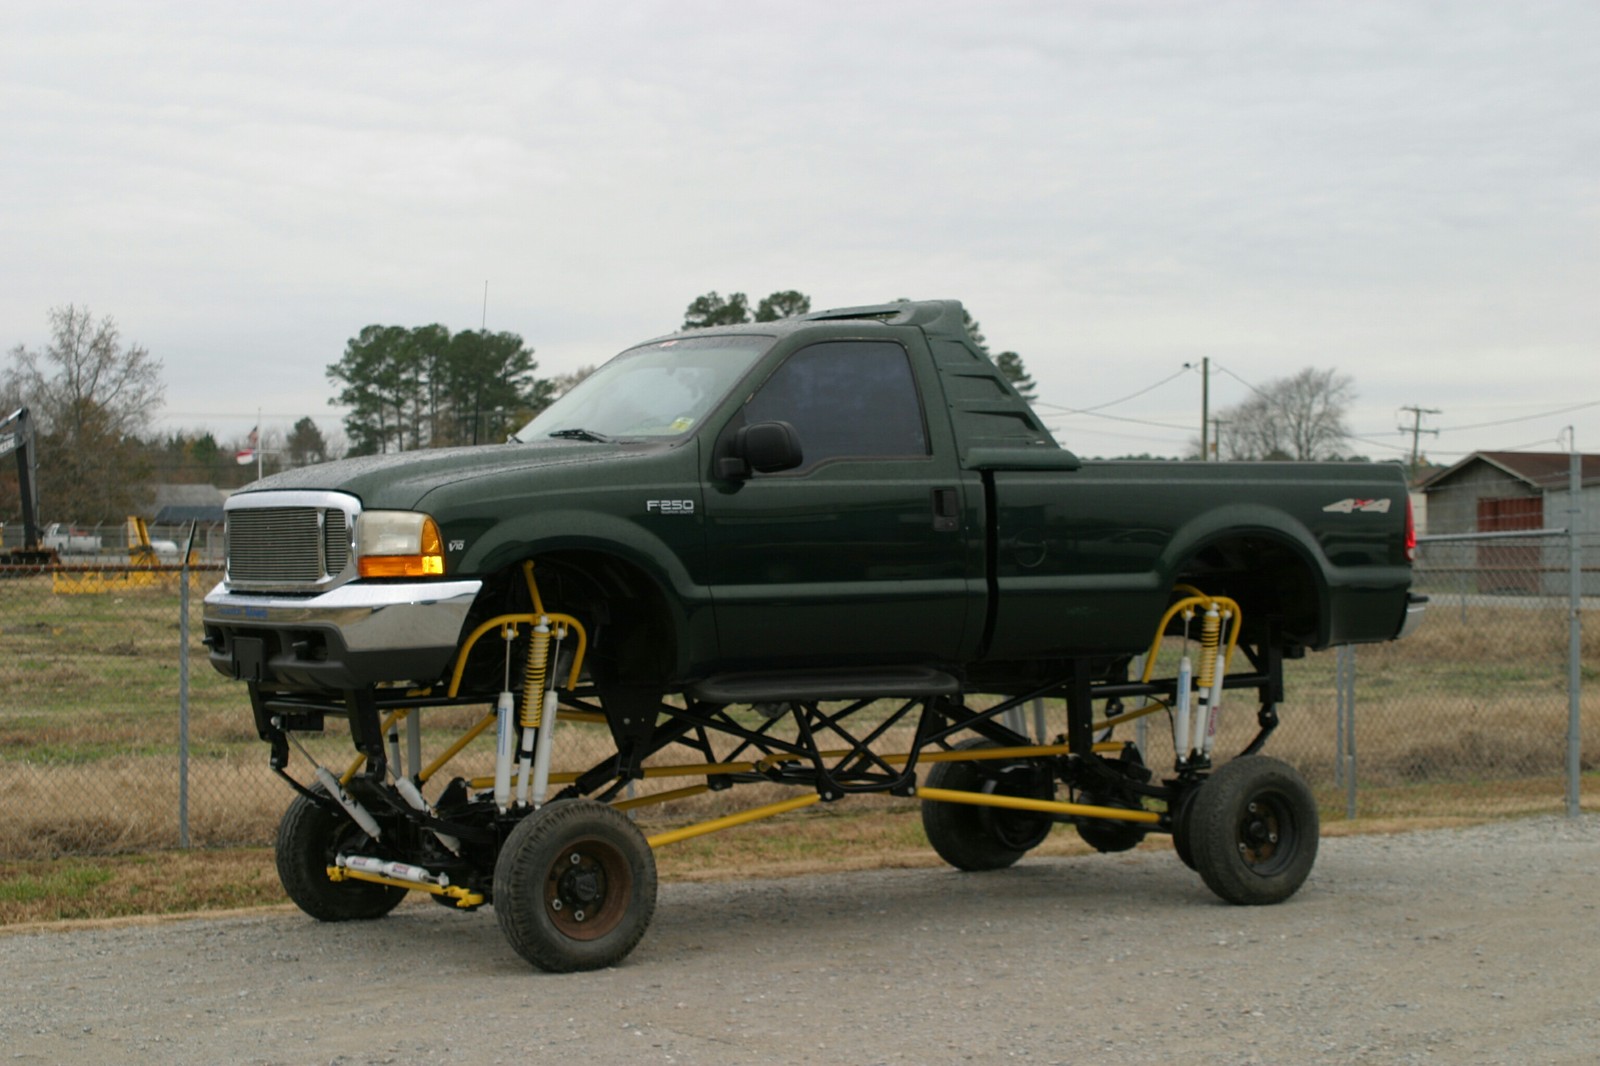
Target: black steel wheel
(310, 836)
(969, 837)
(1104, 835)
(575, 886)
(1253, 831)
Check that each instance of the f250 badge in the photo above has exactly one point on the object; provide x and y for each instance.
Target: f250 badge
(669, 506)
(1365, 506)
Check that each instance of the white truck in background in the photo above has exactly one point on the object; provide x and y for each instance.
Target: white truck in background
(68, 540)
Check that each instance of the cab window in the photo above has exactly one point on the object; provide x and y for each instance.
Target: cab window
(846, 399)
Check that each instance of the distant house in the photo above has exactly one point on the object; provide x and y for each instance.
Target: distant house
(1503, 492)
(178, 505)
(1493, 492)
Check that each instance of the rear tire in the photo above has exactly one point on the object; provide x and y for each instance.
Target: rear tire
(1104, 835)
(310, 838)
(974, 838)
(1253, 831)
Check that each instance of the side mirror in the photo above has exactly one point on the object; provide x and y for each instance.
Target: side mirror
(764, 448)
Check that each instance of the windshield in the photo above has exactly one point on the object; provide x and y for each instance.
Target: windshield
(656, 390)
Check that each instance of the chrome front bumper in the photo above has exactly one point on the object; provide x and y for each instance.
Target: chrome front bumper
(349, 637)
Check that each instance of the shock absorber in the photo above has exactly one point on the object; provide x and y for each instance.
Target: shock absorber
(505, 737)
(1181, 713)
(1210, 638)
(1214, 705)
(532, 711)
(547, 729)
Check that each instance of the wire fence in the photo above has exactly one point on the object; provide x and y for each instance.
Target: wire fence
(116, 734)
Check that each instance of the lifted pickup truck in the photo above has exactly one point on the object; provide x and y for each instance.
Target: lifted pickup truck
(783, 551)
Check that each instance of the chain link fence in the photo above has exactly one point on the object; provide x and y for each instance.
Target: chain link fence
(117, 735)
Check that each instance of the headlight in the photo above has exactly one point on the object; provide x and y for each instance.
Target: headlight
(398, 544)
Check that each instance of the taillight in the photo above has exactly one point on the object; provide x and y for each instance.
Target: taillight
(1411, 532)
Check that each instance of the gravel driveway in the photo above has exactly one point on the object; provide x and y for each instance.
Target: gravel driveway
(1456, 946)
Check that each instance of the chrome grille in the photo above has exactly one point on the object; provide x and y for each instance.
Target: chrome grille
(302, 547)
(335, 541)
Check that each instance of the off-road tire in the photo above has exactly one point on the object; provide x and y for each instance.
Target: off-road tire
(575, 886)
(310, 837)
(976, 838)
(1254, 830)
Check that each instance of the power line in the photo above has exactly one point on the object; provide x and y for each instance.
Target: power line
(1112, 403)
(1377, 443)
(1521, 418)
(1125, 418)
(1239, 379)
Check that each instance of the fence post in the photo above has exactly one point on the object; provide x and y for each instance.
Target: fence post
(1338, 716)
(183, 692)
(1345, 683)
(1574, 630)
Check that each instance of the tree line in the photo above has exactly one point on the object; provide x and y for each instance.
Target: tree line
(93, 397)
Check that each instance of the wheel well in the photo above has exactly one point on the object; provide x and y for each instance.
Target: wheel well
(1273, 583)
(632, 632)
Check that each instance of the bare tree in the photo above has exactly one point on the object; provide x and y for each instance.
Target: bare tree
(1298, 417)
(93, 378)
(92, 397)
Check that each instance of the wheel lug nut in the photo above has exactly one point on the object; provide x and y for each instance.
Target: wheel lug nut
(577, 916)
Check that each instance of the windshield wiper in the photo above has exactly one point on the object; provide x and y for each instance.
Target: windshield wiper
(581, 434)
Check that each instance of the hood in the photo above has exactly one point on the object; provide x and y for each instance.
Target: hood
(401, 480)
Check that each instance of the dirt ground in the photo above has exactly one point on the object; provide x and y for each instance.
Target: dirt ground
(1446, 946)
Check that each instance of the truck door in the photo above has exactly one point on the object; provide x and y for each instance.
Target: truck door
(858, 555)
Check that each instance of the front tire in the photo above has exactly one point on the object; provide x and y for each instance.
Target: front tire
(1253, 831)
(974, 838)
(575, 886)
(310, 837)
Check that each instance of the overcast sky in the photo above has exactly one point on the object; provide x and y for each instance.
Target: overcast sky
(1406, 191)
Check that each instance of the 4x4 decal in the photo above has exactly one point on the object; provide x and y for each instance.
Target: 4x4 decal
(1365, 506)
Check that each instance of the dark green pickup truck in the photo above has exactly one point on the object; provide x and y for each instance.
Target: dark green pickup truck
(779, 550)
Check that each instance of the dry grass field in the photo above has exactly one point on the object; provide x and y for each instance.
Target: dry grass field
(1465, 719)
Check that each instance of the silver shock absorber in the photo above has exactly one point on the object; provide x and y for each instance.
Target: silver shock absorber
(506, 737)
(532, 704)
(1210, 637)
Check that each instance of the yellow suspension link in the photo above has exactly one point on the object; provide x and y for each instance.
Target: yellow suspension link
(1197, 602)
(464, 897)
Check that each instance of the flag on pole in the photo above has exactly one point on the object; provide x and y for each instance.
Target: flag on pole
(248, 454)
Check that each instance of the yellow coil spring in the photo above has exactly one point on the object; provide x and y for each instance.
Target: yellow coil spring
(1210, 638)
(532, 711)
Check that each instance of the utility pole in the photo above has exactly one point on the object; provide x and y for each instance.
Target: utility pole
(1205, 409)
(1417, 431)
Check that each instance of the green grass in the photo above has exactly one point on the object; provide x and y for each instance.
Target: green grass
(65, 885)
